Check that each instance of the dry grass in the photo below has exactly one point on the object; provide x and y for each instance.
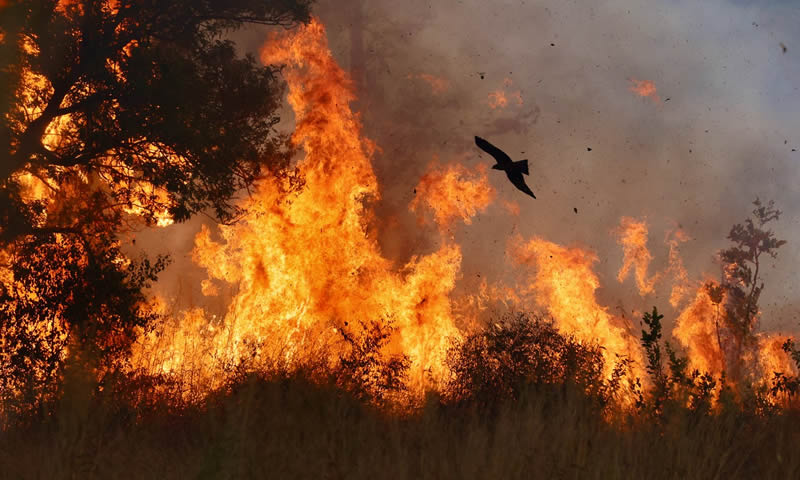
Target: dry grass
(291, 428)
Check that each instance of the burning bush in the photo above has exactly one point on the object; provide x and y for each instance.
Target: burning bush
(497, 364)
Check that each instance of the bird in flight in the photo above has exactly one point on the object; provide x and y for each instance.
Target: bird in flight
(514, 170)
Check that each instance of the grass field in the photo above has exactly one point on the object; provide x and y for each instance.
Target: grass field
(292, 428)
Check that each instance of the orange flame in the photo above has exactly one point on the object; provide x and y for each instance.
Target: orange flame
(698, 330)
(302, 261)
(303, 265)
(632, 235)
(453, 192)
(680, 287)
(772, 359)
(565, 284)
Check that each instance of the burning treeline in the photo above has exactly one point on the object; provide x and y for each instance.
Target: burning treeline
(302, 274)
(305, 268)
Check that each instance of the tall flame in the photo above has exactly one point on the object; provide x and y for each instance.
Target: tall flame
(698, 330)
(632, 235)
(302, 261)
(565, 284)
(302, 266)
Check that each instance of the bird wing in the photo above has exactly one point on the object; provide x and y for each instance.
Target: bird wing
(519, 182)
(498, 154)
(521, 166)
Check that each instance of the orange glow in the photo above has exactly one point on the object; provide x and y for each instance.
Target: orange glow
(645, 89)
(303, 266)
(302, 261)
(565, 284)
(438, 85)
(453, 192)
(512, 207)
(698, 330)
(680, 286)
(497, 99)
(632, 235)
(772, 359)
(500, 98)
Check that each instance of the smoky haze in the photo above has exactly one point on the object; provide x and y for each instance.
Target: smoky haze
(721, 132)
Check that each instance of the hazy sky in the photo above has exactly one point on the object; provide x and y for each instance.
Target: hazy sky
(698, 160)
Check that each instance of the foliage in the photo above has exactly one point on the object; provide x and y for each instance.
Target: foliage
(784, 384)
(68, 294)
(652, 347)
(742, 284)
(499, 363)
(365, 370)
(115, 114)
(247, 432)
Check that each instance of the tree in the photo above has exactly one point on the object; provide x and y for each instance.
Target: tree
(741, 282)
(116, 113)
(651, 343)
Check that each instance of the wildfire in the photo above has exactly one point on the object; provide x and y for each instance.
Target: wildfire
(302, 261)
(303, 267)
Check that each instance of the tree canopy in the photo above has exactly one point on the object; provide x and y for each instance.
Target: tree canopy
(114, 111)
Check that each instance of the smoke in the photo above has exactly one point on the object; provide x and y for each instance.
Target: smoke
(429, 76)
(720, 135)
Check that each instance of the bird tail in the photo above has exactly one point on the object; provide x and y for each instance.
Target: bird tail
(521, 166)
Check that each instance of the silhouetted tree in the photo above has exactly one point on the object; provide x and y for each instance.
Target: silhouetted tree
(650, 341)
(112, 112)
(742, 283)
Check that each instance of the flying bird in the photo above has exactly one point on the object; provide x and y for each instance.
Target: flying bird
(514, 170)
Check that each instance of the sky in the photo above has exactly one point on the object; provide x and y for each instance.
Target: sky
(720, 133)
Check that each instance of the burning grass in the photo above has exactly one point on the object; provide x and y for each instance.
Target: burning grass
(329, 354)
(526, 413)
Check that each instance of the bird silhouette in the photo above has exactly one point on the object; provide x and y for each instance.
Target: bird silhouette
(514, 170)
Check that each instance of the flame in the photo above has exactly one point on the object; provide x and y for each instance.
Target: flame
(645, 89)
(302, 261)
(62, 133)
(632, 235)
(698, 330)
(453, 192)
(772, 358)
(303, 267)
(565, 284)
(680, 286)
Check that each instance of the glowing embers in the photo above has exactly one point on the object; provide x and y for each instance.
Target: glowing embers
(645, 89)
